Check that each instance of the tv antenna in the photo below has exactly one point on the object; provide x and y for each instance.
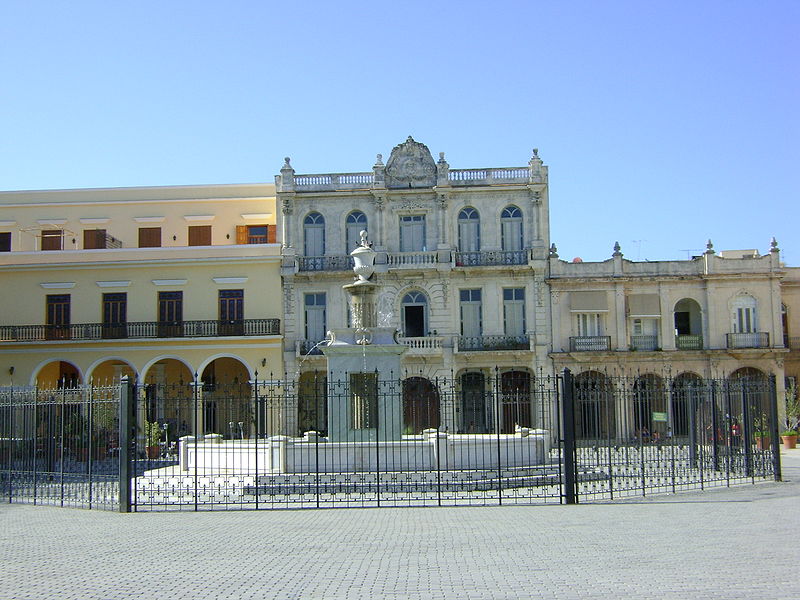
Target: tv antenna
(689, 251)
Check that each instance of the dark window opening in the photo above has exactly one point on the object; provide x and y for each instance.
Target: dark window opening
(115, 308)
(170, 314)
(5, 241)
(231, 312)
(58, 317)
(414, 321)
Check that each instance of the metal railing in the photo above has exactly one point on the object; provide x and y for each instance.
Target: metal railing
(590, 343)
(483, 343)
(324, 263)
(758, 339)
(645, 343)
(689, 342)
(491, 258)
(140, 329)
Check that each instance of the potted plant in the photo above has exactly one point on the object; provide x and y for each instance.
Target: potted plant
(792, 420)
(761, 431)
(152, 436)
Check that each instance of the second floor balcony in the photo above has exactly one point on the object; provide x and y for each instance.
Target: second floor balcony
(139, 330)
(756, 339)
(689, 342)
(491, 259)
(590, 343)
(324, 263)
(493, 343)
(645, 343)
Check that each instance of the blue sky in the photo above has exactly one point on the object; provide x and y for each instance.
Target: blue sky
(663, 123)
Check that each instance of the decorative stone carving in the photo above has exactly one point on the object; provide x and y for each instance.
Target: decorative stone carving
(287, 206)
(411, 204)
(410, 166)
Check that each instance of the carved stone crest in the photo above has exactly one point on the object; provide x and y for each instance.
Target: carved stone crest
(410, 166)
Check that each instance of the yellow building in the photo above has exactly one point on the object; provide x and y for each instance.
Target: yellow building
(163, 284)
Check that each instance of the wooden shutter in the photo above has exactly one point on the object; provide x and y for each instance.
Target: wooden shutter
(149, 237)
(271, 234)
(51, 239)
(200, 235)
(241, 234)
(94, 239)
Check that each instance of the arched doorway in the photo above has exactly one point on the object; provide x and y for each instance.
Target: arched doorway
(59, 374)
(420, 405)
(685, 401)
(110, 372)
(473, 403)
(312, 403)
(688, 322)
(649, 408)
(227, 399)
(415, 314)
(594, 406)
(515, 398)
(169, 398)
(747, 401)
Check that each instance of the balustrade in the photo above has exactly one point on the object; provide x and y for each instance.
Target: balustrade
(493, 343)
(491, 258)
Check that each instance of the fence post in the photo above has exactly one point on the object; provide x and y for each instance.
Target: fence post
(127, 393)
(568, 437)
(773, 409)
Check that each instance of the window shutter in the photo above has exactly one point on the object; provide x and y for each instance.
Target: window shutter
(271, 234)
(149, 237)
(241, 234)
(200, 235)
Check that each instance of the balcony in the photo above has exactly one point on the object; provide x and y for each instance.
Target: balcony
(590, 343)
(493, 343)
(410, 260)
(645, 343)
(422, 345)
(759, 339)
(139, 330)
(324, 263)
(491, 259)
(689, 342)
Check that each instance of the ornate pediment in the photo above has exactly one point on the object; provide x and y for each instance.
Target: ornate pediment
(410, 166)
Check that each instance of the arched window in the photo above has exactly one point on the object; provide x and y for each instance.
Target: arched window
(415, 314)
(420, 405)
(744, 314)
(356, 222)
(314, 234)
(511, 228)
(469, 230)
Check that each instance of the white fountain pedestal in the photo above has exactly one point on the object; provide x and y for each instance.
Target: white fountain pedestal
(376, 368)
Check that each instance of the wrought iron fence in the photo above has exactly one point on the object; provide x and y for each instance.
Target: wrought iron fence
(365, 439)
(60, 446)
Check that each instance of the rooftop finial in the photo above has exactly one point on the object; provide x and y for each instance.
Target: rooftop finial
(773, 245)
(379, 160)
(617, 249)
(709, 247)
(553, 251)
(286, 164)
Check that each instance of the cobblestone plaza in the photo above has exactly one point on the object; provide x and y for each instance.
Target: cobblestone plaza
(723, 543)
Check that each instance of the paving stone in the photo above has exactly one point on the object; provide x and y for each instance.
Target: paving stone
(722, 543)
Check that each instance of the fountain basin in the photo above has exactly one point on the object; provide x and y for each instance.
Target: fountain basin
(433, 450)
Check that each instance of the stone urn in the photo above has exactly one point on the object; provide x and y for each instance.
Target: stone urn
(364, 259)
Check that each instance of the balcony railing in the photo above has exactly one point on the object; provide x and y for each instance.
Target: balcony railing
(401, 260)
(645, 343)
(483, 343)
(492, 258)
(759, 339)
(689, 342)
(139, 330)
(422, 344)
(590, 343)
(324, 263)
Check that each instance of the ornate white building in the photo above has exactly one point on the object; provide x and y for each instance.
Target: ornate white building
(482, 300)
(462, 260)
